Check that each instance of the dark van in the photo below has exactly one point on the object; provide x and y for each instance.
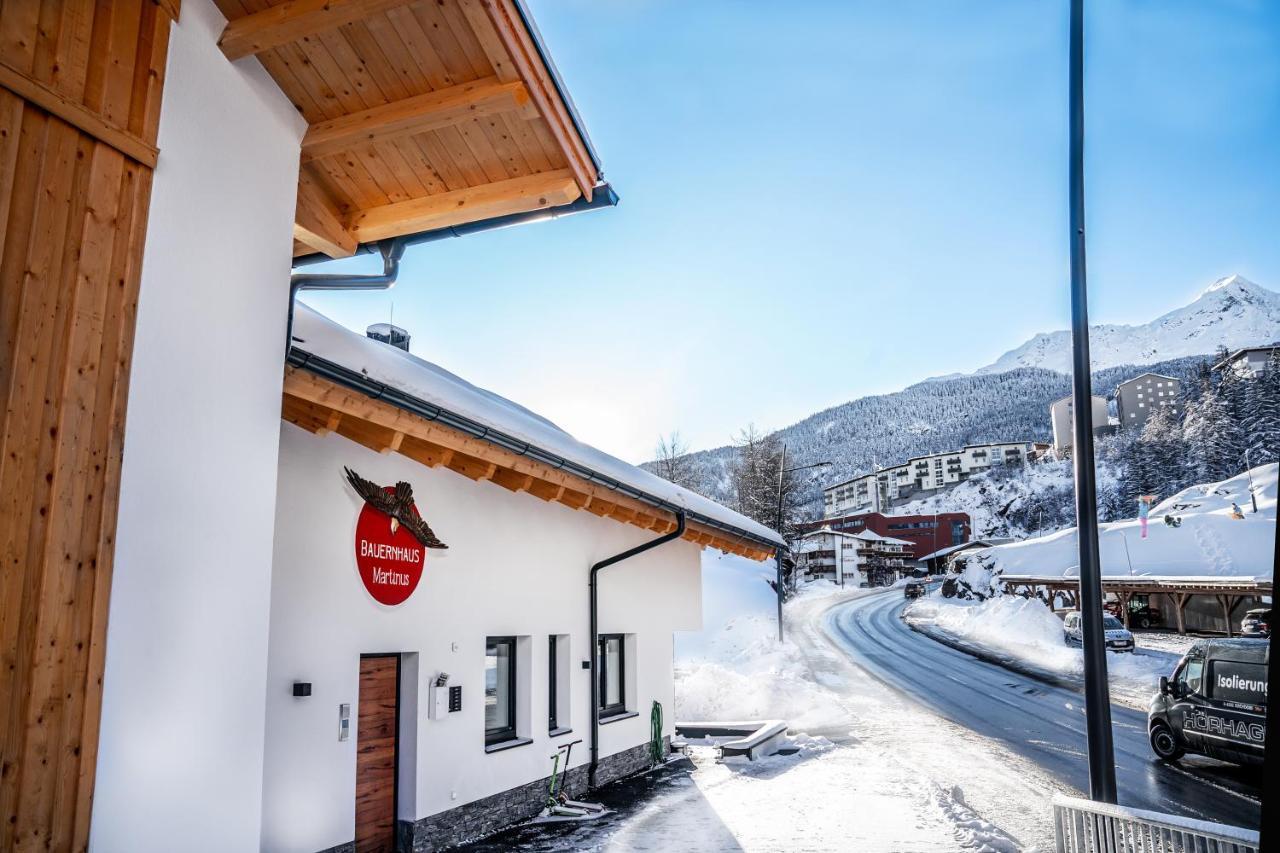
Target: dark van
(1215, 703)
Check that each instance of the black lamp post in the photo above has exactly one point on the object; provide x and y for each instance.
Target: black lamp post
(1102, 763)
(783, 470)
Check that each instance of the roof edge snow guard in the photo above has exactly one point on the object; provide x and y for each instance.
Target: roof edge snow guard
(356, 381)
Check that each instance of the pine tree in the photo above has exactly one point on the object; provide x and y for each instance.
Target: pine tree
(1213, 429)
(754, 472)
(1262, 421)
(672, 461)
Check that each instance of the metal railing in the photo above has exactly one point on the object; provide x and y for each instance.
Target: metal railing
(1085, 826)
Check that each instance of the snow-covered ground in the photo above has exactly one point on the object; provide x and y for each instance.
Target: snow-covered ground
(875, 773)
(1210, 541)
(735, 669)
(1026, 630)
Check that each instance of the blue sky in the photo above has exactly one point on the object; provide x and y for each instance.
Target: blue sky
(827, 200)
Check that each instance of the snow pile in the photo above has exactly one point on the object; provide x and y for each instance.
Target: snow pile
(735, 668)
(1027, 630)
(1022, 627)
(746, 674)
(1209, 541)
(972, 831)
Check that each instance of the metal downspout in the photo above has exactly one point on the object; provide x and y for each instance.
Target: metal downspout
(594, 649)
(391, 250)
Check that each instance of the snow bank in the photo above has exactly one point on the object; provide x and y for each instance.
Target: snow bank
(393, 367)
(1209, 542)
(746, 674)
(734, 668)
(1025, 628)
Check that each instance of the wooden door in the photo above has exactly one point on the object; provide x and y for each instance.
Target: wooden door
(377, 728)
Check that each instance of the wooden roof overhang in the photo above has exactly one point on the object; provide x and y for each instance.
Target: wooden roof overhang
(321, 405)
(422, 114)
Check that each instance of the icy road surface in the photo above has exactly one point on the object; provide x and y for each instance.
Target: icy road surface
(1034, 720)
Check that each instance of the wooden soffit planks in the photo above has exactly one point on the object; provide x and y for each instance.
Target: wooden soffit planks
(320, 406)
(421, 114)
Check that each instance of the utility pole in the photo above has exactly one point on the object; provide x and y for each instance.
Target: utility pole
(1102, 765)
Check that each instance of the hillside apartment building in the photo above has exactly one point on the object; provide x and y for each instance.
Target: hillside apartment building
(214, 637)
(1248, 363)
(923, 533)
(1061, 413)
(920, 477)
(860, 559)
(1139, 397)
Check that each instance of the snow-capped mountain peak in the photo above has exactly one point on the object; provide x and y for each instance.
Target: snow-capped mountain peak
(1232, 312)
(1230, 281)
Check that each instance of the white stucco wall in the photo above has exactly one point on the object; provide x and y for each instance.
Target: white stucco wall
(515, 566)
(180, 760)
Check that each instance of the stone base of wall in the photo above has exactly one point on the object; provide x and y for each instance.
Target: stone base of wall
(485, 817)
(349, 847)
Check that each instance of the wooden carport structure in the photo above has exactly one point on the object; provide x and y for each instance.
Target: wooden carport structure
(1227, 592)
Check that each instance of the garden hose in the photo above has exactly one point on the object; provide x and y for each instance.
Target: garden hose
(655, 734)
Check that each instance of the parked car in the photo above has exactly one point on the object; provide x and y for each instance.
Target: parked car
(1118, 638)
(1257, 623)
(1214, 704)
(913, 590)
(1141, 613)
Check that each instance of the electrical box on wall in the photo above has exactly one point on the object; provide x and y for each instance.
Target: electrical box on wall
(442, 697)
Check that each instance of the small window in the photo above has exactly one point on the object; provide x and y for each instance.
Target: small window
(612, 671)
(552, 720)
(499, 689)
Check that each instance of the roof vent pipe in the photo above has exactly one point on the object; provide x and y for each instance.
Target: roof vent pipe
(389, 334)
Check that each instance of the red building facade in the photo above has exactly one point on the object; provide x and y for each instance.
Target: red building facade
(926, 533)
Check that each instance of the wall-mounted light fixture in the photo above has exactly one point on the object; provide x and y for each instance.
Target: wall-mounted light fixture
(302, 688)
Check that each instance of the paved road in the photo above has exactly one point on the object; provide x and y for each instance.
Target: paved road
(1038, 721)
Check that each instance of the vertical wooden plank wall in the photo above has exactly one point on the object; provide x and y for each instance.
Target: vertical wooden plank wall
(80, 86)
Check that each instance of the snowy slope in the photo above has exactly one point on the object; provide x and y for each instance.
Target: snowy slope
(1210, 543)
(1232, 312)
(1040, 499)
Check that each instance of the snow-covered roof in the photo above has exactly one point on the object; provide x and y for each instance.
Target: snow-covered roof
(318, 335)
(872, 536)
(951, 549)
(1133, 379)
(827, 531)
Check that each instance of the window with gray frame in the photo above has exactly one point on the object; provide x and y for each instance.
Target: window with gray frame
(499, 689)
(612, 670)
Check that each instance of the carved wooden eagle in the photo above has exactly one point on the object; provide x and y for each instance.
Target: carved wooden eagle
(398, 504)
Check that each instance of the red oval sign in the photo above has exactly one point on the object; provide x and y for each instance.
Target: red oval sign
(390, 562)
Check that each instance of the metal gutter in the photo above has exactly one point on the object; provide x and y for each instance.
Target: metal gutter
(357, 381)
(603, 196)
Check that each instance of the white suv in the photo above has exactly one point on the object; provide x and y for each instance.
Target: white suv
(1117, 636)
